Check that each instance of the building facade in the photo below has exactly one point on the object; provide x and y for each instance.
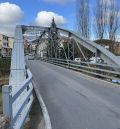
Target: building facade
(6, 45)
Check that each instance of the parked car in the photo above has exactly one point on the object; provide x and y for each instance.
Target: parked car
(77, 59)
(30, 54)
(96, 60)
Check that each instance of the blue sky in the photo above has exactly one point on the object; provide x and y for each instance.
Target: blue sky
(64, 11)
(37, 12)
(32, 7)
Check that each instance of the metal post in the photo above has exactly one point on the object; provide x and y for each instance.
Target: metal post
(73, 50)
(7, 102)
(97, 54)
(68, 52)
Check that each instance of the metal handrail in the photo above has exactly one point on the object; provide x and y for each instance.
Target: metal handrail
(105, 73)
(18, 115)
(83, 62)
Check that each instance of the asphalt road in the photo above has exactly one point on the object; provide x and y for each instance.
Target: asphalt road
(74, 100)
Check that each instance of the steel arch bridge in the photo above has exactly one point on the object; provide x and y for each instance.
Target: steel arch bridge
(53, 38)
(18, 95)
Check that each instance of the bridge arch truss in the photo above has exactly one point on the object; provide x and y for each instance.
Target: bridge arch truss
(52, 38)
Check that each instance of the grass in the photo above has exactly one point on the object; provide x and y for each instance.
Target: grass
(4, 70)
(4, 66)
(5, 62)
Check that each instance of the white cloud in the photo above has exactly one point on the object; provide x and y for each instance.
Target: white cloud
(10, 15)
(44, 18)
(7, 29)
(58, 1)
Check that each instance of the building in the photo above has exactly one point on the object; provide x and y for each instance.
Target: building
(105, 43)
(116, 49)
(113, 47)
(6, 45)
(42, 49)
(10, 42)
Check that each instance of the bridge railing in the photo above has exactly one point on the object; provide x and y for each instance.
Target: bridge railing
(17, 102)
(98, 70)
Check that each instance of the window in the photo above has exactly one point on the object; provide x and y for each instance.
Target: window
(5, 37)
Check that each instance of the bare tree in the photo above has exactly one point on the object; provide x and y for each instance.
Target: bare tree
(107, 19)
(100, 17)
(113, 20)
(83, 17)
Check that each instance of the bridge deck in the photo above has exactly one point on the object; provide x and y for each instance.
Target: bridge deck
(76, 101)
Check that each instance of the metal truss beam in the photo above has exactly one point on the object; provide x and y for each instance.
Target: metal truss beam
(106, 55)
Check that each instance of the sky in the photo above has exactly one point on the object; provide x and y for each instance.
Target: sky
(36, 12)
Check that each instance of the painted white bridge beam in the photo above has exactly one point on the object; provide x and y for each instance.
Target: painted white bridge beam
(18, 71)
